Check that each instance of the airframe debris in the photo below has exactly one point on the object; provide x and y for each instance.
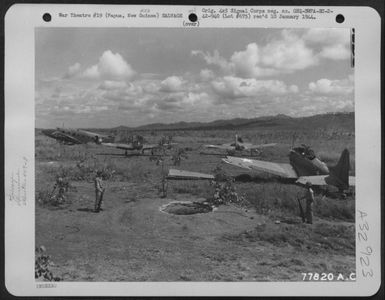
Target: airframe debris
(68, 136)
(206, 199)
(181, 174)
(304, 166)
(240, 146)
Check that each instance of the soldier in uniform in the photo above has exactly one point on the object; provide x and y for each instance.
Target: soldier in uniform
(99, 191)
(164, 185)
(309, 203)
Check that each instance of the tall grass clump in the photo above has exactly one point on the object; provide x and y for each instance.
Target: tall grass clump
(201, 189)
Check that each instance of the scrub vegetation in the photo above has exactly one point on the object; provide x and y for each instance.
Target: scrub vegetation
(228, 242)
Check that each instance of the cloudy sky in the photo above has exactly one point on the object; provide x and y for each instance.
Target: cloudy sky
(101, 77)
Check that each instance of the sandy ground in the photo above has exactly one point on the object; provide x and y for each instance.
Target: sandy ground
(132, 240)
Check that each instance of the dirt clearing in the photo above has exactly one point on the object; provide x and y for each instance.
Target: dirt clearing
(132, 240)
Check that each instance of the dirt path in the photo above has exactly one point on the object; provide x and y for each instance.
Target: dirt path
(132, 240)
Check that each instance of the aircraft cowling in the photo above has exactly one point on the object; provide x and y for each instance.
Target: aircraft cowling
(302, 165)
(322, 167)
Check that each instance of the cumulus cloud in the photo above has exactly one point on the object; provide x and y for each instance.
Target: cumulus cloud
(206, 74)
(91, 73)
(151, 86)
(181, 101)
(318, 104)
(332, 87)
(284, 55)
(293, 89)
(336, 52)
(171, 84)
(334, 42)
(327, 36)
(67, 110)
(249, 81)
(235, 87)
(293, 50)
(112, 85)
(197, 98)
(288, 54)
(128, 92)
(212, 59)
(73, 70)
(168, 103)
(247, 63)
(111, 66)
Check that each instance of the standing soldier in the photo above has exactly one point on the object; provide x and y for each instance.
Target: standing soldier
(309, 203)
(164, 186)
(99, 191)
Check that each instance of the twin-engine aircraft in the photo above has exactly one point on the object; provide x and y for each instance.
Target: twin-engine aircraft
(304, 166)
(239, 145)
(137, 144)
(69, 136)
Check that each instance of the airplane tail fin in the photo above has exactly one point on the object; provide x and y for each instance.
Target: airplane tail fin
(340, 173)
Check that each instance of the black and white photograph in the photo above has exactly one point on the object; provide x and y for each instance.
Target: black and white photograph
(205, 155)
(207, 151)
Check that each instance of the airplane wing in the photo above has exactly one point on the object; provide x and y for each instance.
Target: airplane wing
(262, 146)
(149, 146)
(223, 147)
(119, 146)
(66, 137)
(130, 146)
(322, 180)
(181, 174)
(280, 169)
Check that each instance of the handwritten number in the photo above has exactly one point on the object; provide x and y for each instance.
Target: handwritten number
(362, 214)
(366, 274)
(363, 261)
(364, 226)
(362, 236)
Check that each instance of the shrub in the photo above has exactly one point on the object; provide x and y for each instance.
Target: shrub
(42, 265)
(226, 193)
(57, 195)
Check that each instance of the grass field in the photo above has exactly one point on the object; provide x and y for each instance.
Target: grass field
(132, 240)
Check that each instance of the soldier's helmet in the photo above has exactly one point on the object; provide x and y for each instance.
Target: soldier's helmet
(308, 184)
(99, 173)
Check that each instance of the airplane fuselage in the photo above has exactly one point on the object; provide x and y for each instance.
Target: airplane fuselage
(75, 136)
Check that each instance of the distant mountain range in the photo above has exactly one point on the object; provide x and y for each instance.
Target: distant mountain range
(341, 121)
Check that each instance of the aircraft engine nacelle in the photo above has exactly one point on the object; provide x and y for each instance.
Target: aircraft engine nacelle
(321, 166)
